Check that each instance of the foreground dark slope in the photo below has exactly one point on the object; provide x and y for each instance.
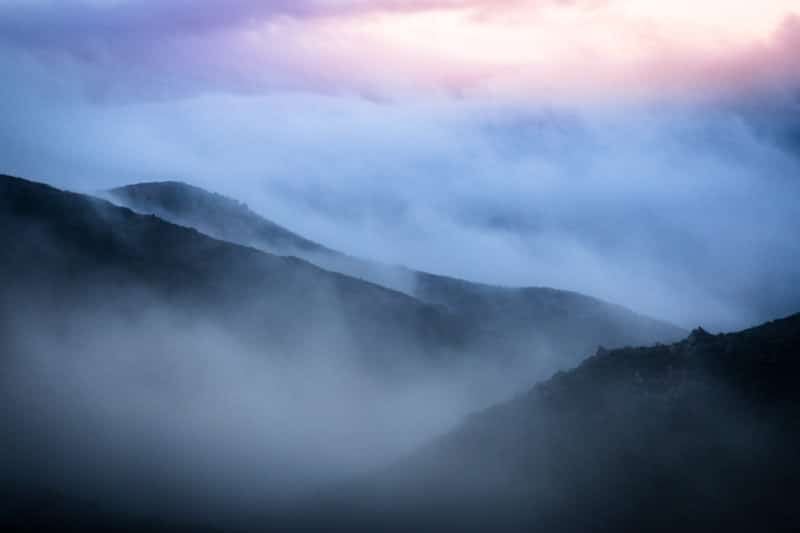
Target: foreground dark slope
(559, 326)
(698, 435)
(701, 435)
(64, 252)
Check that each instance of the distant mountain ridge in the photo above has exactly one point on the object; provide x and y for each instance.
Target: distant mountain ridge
(522, 319)
(71, 243)
(277, 300)
(213, 214)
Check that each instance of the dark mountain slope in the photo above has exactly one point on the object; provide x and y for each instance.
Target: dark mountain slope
(149, 367)
(555, 326)
(698, 435)
(701, 435)
(83, 281)
(73, 251)
(213, 214)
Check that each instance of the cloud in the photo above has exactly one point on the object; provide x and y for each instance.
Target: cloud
(151, 408)
(581, 49)
(661, 185)
(42, 22)
(669, 208)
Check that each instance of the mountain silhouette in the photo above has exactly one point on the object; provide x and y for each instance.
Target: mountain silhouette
(67, 251)
(561, 324)
(698, 435)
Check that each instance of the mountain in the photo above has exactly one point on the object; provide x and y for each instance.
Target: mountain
(557, 325)
(80, 246)
(700, 435)
(213, 214)
(67, 252)
(149, 366)
(113, 320)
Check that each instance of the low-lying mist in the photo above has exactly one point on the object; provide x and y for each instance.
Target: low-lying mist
(147, 409)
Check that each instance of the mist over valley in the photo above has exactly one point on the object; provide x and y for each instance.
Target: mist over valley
(371, 265)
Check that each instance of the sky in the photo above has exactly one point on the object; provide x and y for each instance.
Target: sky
(641, 151)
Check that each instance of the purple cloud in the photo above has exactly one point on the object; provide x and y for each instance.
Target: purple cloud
(43, 22)
(190, 41)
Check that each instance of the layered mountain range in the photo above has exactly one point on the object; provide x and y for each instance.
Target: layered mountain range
(175, 347)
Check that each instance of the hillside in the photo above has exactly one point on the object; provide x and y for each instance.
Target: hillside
(700, 435)
(154, 369)
(69, 249)
(695, 436)
(147, 365)
(558, 325)
(213, 214)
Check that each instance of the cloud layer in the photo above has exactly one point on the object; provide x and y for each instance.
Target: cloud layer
(650, 159)
(516, 47)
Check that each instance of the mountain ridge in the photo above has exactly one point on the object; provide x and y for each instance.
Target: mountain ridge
(524, 318)
(697, 434)
(88, 224)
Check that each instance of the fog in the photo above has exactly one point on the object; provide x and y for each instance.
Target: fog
(130, 402)
(214, 389)
(681, 210)
(143, 407)
(152, 370)
(667, 185)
